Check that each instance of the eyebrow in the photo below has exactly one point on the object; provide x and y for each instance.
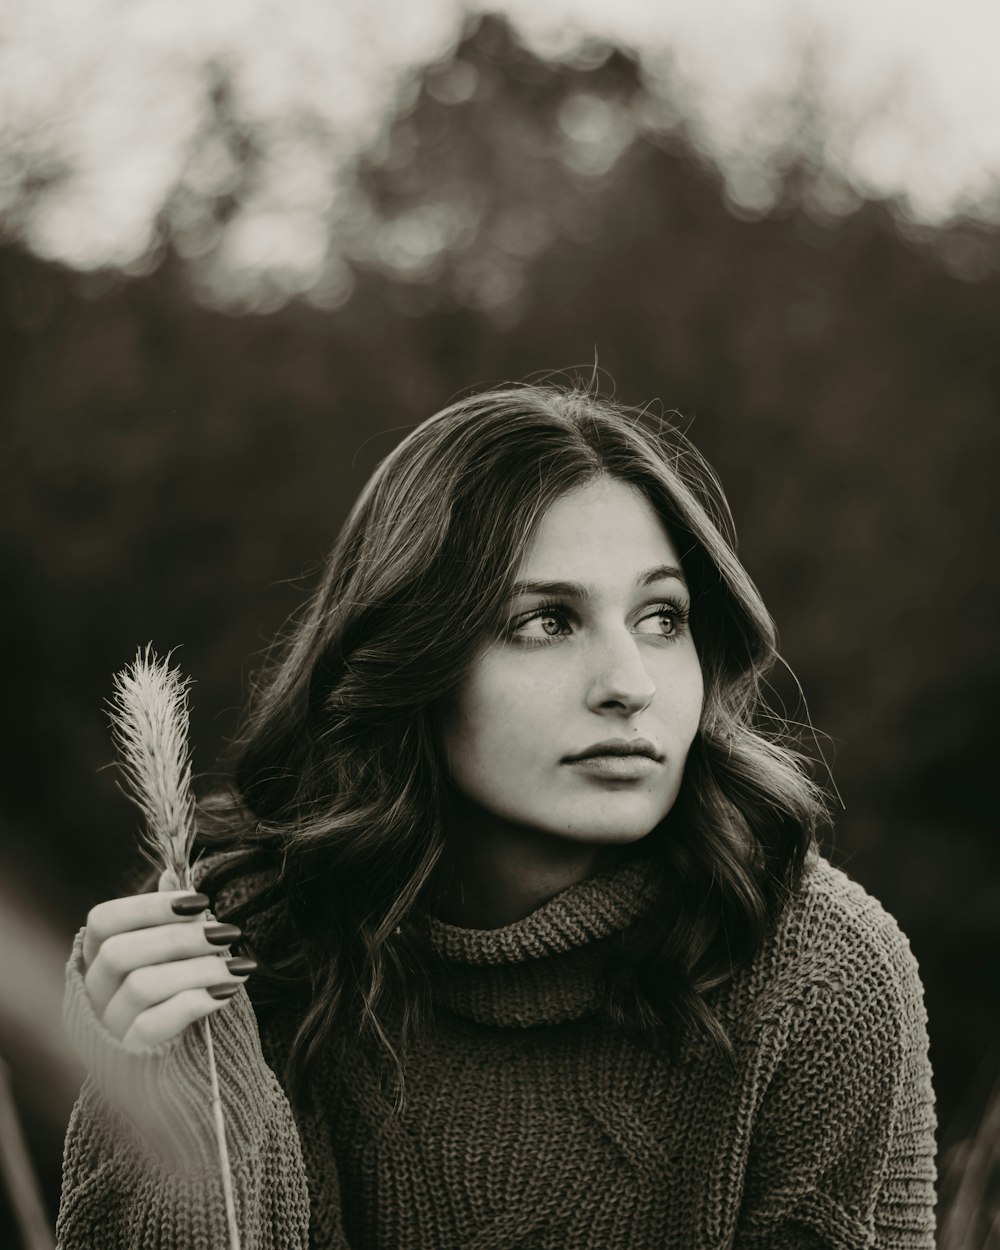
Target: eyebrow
(577, 590)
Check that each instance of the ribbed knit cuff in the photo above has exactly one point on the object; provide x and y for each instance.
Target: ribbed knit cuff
(111, 1199)
(165, 1090)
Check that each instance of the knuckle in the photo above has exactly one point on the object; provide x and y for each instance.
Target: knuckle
(136, 988)
(96, 923)
(112, 955)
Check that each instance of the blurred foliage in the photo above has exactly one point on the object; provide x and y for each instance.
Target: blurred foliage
(969, 1181)
(168, 467)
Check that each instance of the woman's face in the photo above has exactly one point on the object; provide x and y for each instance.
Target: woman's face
(597, 653)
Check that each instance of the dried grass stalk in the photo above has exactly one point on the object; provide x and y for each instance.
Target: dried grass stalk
(149, 720)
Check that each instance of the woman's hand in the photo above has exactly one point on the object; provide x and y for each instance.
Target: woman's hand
(154, 964)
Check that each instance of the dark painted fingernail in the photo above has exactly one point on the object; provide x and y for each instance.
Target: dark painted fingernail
(190, 904)
(226, 990)
(240, 965)
(222, 934)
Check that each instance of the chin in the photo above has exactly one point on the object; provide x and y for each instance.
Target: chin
(609, 832)
(617, 824)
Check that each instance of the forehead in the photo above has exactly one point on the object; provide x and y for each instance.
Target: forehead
(605, 525)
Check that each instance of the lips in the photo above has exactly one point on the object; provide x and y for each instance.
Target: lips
(619, 747)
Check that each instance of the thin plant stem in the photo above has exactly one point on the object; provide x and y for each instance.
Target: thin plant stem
(220, 1134)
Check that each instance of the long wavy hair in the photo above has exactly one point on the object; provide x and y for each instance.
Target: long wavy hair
(338, 783)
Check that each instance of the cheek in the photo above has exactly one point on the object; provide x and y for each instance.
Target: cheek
(485, 723)
(507, 733)
(696, 700)
(681, 695)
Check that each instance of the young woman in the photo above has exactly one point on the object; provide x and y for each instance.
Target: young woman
(546, 951)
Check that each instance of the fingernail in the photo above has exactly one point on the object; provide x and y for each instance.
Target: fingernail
(224, 991)
(190, 904)
(222, 934)
(240, 965)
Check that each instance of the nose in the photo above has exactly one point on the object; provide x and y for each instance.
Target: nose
(620, 681)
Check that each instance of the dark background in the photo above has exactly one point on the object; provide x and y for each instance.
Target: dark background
(174, 473)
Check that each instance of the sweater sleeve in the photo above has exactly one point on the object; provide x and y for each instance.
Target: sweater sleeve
(843, 1147)
(141, 1166)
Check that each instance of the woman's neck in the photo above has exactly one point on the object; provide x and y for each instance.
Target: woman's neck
(496, 872)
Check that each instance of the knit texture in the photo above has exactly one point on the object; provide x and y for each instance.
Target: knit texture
(533, 1124)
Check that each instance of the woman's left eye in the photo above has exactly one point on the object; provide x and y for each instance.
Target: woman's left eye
(671, 617)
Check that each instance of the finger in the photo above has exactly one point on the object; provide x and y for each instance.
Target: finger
(123, 953)
(139, 911)
(156, 983)
(165, 1020)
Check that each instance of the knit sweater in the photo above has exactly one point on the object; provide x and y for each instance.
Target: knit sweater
(532, 1123)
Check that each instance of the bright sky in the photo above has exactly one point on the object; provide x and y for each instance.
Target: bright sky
(106, 96)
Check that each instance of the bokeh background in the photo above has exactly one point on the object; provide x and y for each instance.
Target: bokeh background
(245, 245)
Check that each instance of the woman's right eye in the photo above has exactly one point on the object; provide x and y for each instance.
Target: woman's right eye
(544, 618)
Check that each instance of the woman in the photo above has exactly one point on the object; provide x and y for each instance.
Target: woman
(546, 951)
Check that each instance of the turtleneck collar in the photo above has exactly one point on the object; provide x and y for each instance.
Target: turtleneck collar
(544, 968)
